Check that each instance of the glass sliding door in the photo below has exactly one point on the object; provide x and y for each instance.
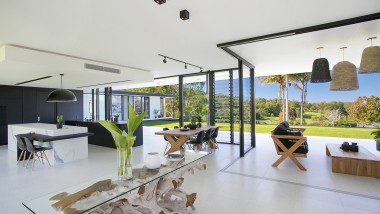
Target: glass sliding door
(116, 108)
(146, 106)
(137, 105)
(195, 99)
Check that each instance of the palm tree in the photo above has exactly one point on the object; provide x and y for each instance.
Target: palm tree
(300, 82)
(280, 80)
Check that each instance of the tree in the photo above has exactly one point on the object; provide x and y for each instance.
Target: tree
(333, 116)
(365, 110)
(300, 82)
(280, 80)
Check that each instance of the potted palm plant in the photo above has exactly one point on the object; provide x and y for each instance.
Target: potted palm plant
(376, 136)
(124, 141)
(59, 121)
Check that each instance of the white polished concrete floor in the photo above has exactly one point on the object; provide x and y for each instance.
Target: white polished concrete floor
(229, 185)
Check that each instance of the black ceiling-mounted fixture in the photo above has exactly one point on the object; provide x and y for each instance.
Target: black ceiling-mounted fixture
(321, 70)
(185, 66)
(184, 15)
(160, 1)
(61, 95)
(164, 60)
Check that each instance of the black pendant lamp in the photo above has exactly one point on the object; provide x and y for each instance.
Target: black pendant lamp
(370, 62)
(321, 70)
(61, 95)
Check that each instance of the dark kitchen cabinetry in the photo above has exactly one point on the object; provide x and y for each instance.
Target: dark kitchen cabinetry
(102, 137)
(28, 105)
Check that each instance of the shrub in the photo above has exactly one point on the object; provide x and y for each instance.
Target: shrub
(346, 123)
(315, 123)
(259, 117)
(325, 123)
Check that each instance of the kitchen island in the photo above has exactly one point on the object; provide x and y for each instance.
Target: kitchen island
(63, 150)
(102, 137)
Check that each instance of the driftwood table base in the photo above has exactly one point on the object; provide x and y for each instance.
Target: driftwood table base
(163, 195)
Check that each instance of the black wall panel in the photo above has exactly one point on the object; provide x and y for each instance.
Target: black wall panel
(72, 110)
(45, 110)
(11, 97)
(3, 125)
(11, 102)
(29, 106)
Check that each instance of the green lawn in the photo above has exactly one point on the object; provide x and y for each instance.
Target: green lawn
(360, 133)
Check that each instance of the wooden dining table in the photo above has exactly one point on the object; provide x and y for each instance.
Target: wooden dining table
(183, 136)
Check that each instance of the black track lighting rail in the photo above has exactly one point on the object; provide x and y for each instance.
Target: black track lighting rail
(186, 63)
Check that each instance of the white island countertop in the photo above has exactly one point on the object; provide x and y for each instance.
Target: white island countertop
(70, 149)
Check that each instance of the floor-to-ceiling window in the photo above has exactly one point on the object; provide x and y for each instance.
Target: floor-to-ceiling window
(223, 102)
(195, 99)
(225, 90)
(87, 104)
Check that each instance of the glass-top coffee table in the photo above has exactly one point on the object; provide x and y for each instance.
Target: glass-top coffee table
(94, 194)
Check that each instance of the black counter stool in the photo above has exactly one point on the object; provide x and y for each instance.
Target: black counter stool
(36, 152)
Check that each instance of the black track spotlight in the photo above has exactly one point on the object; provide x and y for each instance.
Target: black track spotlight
(160, 1)
(185, 66)
(201, 70)
(164, 60)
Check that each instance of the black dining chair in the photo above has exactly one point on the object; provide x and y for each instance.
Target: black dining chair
(36, 152)
(21, 145)
(197, 142)
(207, 137)
(214, 135)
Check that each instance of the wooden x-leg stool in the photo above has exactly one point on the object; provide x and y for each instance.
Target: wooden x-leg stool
(288, 152)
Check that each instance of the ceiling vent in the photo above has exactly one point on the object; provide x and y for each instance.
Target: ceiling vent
(101, 68)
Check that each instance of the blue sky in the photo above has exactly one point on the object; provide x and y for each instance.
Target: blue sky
(369, 84)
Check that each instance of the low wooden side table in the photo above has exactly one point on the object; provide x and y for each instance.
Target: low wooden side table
(362, 163)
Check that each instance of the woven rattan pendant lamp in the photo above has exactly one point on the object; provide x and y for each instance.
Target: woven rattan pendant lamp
(344, 76)
(321, 70)
(370, 62)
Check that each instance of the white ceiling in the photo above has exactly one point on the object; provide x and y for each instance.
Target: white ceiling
(295, 54)
(132, 33)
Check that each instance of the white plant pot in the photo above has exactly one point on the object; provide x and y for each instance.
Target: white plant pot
(152, 160)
